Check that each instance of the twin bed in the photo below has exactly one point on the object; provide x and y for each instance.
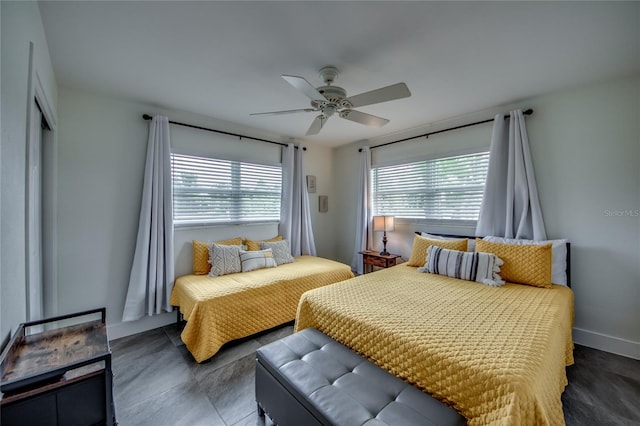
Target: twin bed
(495, 354)
(228, 307)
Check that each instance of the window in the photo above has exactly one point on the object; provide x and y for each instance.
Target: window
(220, 191)
(446, 189)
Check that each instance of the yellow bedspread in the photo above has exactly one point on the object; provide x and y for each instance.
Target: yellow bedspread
(232, 306)
(496, 354)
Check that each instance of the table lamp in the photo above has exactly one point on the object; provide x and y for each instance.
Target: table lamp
(384, 224)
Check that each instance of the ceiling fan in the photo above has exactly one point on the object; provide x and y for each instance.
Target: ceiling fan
(328, 100)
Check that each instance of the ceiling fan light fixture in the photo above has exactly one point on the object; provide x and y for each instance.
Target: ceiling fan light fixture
(329, 110)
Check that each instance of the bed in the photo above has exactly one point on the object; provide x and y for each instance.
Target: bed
(495, 354)
(229, 307)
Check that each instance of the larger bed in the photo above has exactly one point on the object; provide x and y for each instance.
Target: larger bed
(495, 354)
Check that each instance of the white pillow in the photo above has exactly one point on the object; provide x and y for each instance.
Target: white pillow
(558, 255)
(471, 243)
(224, 259)
(479, 267)
(256, 259)
(281, 251)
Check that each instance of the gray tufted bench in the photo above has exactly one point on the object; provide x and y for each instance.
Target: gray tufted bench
(310, 379)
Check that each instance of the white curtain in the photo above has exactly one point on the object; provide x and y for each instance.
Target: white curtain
(510, 206)
(152, 271)
(295, 214)
(286, 205)
(364, 234)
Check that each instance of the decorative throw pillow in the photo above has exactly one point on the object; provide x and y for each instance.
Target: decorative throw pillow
(201, 265)
(471, 244)
(253, 245)
(558, 255)
(256, 259)
(421, 244)
(224, 259)
(281, 251)
(524, 264)
(479, 267)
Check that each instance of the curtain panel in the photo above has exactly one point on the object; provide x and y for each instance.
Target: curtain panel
(295, 213)
(364, 234)
(152, 272)
(510, 205)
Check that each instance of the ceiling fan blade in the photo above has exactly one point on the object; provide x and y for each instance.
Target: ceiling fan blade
(362, 118)
(316, 126)
(304, 86)
(384, 94)
(289, 111)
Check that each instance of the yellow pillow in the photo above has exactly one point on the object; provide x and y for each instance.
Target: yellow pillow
(253, 245)
(421, 244)
(201, 264)
(524, 264)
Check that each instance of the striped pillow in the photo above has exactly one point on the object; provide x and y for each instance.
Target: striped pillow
(479, 267)
(252, 260)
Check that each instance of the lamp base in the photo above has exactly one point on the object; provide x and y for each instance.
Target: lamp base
(384, 251)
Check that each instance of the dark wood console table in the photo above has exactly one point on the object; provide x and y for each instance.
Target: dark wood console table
(58, 376)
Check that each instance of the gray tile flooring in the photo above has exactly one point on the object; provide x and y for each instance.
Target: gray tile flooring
(158, 383)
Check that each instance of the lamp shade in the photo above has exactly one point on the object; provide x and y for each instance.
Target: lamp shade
(383, 223)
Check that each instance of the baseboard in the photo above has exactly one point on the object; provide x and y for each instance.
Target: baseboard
(607, 343)
(123, 329)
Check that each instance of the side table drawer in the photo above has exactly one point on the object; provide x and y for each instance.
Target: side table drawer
(372, 258)
(375, 261)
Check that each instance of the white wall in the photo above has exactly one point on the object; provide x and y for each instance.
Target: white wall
(101, 162)
(318, 163)
(21, 25)
(587, 151)
(585, 145)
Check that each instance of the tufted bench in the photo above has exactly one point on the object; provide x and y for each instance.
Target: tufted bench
(310, 379)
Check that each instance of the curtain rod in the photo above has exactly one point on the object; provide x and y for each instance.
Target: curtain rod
(148, 117)
(426, 135)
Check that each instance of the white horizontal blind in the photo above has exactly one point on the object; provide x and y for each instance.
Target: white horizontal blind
(221, 191)
(447, 189)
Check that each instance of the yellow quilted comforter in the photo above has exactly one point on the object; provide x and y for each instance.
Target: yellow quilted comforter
(495, 354)
(232, 306)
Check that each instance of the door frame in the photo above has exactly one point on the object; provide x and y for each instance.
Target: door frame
(48, 291)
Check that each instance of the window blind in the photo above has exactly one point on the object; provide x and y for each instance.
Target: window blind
(448, 189)
(207, 190)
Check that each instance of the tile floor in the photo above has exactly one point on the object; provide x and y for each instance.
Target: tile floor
(158, 383)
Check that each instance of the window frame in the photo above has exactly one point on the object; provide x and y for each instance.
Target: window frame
(439, 222)
(235, 165)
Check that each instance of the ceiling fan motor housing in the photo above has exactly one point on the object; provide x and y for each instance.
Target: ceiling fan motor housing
(336, 98)
(333, 93)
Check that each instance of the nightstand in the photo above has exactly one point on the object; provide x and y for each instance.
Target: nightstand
(374, 258)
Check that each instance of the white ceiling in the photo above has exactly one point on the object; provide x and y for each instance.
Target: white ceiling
(224, 59)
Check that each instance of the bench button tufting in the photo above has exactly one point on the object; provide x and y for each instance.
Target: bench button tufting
(294, 395)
